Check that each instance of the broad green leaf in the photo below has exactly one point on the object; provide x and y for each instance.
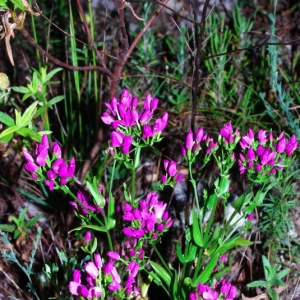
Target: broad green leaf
(207, 271)
(29, 133)
(241, 201)
(18, 4)
(156, 279)
(161, 272)
(192, 253)
(28, 114)
(9, 130)
(6, 138)
(6, 119)
(273, 294)
(179, 254)
(111, 219)
(197, 230)
(224, 186)
(20, 89)
(98, 197)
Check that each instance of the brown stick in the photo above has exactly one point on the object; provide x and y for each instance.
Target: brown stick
(120, 66)
(60, 63)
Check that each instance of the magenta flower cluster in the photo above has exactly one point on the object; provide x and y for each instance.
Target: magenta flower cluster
(223, 290)
(99, 275)
(48, 165)
(89, 288)
(149, 220)
(196, 143)
(127, 122)
(263, 154)
(170, 167)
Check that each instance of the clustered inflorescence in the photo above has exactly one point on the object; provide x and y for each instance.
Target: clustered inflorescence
(48, 165)
(128, 123)
(264, 155)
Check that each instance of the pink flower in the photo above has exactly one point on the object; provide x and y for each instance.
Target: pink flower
(91, 270)
(107, 119)
(127, 143)
(189, 140)
(116, 138)
(113, 255)
(281, 145)
(199, 134)
(98, 260)
(262, 136)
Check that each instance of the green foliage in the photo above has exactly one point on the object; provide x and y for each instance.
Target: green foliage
(273, 278)
(27, 270)
(21, 125)
(22, 226)
(14, 4)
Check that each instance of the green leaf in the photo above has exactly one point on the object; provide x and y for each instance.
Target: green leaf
(257, 283)
(94, 247)
(32, 221)
(273, 294)
(98, 197)
(28, 114)
(6, 119)
(94, 227)
(156, 279)
(9, 131)
(179, 254)
(18, 4)
(197, 230)
(20, 89)
(241, 201)
(207, 271)
(111, 220)
(233, 243)
(221, 273)
(192, 253)
(17, 233)
(6, 138)
(51, 74)
(29, 133)
(282, 273)
(22, 215)
(161, 272)
(18, 118)
(8, 227)
(224, 186)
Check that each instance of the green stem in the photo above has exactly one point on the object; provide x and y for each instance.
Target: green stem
(194, 186)
(198, 265)
(161, 259)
